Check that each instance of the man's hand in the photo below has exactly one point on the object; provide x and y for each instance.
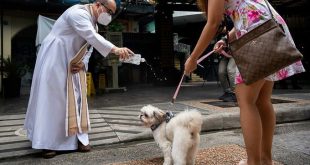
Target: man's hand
(123, 53)
(75, 68)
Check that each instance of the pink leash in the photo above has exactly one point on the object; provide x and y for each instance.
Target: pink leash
(198, 61)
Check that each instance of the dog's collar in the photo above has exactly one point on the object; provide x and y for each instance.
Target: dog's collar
(155, 126)
(169, 116)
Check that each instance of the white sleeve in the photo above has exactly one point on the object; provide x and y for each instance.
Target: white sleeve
(87, 56)
(81, 22)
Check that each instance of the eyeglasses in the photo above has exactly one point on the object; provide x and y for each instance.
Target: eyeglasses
(108, 10)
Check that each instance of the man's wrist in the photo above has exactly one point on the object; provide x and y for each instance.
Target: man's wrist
(114, 49)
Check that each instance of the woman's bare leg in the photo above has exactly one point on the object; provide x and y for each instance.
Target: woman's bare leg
(250, 120)
(268, 120)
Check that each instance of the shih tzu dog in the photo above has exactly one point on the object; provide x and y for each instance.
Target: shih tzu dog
(178, 136)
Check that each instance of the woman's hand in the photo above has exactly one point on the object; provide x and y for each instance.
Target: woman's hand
(190, 65)
(123, 53)
(218, 47)
(75, 68)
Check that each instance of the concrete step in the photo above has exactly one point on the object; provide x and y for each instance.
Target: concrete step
(196, 78)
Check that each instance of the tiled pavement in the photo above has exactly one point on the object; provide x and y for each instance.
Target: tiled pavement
(109, 125)
(114, 124)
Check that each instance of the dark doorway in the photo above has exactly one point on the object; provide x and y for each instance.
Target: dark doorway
(24, 54)
(23, 47)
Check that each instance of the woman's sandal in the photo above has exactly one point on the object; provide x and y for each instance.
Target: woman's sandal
(47, 154)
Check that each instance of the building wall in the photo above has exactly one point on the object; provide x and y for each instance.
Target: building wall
(14, 21)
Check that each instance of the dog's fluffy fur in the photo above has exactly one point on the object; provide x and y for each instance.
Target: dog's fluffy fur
(179, 138)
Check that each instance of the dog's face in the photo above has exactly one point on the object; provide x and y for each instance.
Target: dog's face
(151, 115)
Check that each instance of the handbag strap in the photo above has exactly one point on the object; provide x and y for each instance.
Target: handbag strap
(227, 31)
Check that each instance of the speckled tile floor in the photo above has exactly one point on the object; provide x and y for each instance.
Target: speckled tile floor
(219, 155)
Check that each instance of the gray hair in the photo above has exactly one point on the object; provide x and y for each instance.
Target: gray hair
(104, 1)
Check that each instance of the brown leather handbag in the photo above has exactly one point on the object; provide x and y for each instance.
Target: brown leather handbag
(263, 51)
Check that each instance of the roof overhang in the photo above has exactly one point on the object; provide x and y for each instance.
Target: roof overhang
(185, 17)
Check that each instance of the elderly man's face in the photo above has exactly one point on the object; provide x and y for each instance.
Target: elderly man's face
(107, 6)
(107, 9)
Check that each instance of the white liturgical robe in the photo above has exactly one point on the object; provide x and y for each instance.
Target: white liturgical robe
(46, 113)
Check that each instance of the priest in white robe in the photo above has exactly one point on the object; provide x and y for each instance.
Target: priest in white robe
(47, 108)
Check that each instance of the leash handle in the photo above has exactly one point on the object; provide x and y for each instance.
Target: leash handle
(177, 90)
(198, 61)
(225, 54)
(204, 57)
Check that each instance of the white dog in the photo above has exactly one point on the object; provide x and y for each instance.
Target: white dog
(178, 136)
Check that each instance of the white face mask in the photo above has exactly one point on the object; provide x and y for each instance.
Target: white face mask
(104, 18)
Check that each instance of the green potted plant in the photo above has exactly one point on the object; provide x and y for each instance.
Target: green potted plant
(13, 72)
(116, 27)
